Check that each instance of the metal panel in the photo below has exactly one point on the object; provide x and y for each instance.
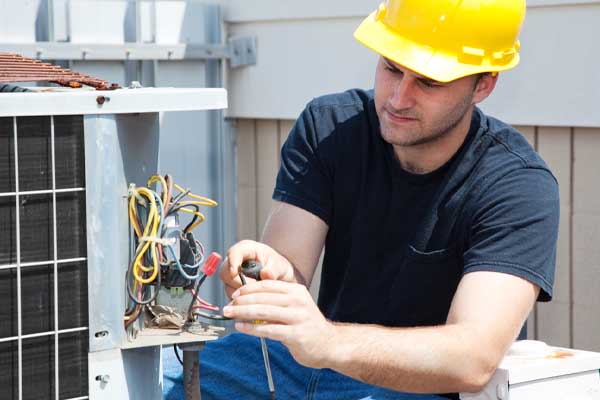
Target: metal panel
(70, 102)
(177, 21)
(112, 373)
(99, 21)
(111, 71)
(23, 28)
(119, 150)
(297, 60)
(111, 52)
(276, 10)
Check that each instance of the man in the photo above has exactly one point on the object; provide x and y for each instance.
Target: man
(439, 224)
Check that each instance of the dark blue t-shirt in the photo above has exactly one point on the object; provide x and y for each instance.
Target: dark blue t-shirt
(399, 243)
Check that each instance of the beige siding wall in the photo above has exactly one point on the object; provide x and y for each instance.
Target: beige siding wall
(572, 319)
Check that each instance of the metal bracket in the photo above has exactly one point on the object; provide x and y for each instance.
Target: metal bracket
(242, 51)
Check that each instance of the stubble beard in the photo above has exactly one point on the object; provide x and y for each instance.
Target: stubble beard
(439, 128)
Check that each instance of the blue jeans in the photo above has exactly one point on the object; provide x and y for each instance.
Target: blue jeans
(232, 368)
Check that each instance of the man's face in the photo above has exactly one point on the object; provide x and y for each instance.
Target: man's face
(413, 109)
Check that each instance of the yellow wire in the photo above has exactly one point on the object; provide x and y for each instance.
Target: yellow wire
(163, 183)
(151, 230)
(132, 216)
(206, 201)
(153, 221)
(200, 216)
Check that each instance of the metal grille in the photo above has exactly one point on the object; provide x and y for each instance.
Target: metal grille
(43, 260)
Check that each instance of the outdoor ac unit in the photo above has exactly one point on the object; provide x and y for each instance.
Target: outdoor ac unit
(533, 370)
(66, 160)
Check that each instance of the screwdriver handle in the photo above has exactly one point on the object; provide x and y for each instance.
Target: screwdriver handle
(251, 269)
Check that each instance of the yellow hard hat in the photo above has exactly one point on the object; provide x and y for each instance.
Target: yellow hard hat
(446, 39)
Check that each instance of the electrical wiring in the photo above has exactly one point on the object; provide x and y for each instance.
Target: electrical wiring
(206, 201)
(177, 354)
(149, 239)
(214, 317)
(202, 303)
(154, 243)
(180, 267)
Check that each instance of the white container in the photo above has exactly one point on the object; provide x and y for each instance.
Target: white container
(534, 371)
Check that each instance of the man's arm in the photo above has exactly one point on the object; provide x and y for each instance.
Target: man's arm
(486, 315)
(292, 242)
(487, 312)
(297, 235)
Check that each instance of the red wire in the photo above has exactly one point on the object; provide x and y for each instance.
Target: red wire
(204, 306)
(203, 303)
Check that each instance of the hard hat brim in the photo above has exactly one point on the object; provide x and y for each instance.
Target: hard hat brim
(422, 59)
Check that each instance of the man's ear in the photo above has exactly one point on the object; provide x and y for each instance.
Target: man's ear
(484, 87)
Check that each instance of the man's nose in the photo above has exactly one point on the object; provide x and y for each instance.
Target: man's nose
(403, 95)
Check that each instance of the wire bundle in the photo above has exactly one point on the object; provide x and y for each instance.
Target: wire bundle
(148, 215)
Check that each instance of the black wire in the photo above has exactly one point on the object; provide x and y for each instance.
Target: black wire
(130, 293)
(176, 200)
(177, 354)
(176, 208)
(215, 317)
(202, 314)
(195, 296)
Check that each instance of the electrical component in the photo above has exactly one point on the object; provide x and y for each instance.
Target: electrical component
(165, 256)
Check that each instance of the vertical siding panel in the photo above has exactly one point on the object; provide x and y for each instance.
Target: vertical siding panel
(554, 319)
(267, 165)
(586, 237)
(529, 134)
(246, 176)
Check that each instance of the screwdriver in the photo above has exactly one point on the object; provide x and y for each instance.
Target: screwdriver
(251, 269)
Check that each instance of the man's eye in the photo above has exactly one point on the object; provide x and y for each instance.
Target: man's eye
(392, 69)
(430, 84)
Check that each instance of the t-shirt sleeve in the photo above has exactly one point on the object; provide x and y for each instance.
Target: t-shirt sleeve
(305, 176)
(515, 229)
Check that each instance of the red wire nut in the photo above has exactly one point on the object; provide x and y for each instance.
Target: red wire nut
(211, 265)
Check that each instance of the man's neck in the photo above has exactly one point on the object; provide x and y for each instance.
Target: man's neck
(428, 157)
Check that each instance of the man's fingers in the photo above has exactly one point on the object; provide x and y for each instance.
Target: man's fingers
(266, 286)
(268, 298)
(267, 274)
(262, 312)
(241, 251)
(272, 331)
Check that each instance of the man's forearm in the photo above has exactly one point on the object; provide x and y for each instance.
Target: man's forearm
(441, 359)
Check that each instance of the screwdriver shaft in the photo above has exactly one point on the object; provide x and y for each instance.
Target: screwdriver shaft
(265, 353)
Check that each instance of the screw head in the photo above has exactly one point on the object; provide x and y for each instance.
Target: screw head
(103, 378)
(501, 392)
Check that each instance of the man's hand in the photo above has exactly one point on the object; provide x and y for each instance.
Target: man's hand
(275, 266)
(288, 314)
